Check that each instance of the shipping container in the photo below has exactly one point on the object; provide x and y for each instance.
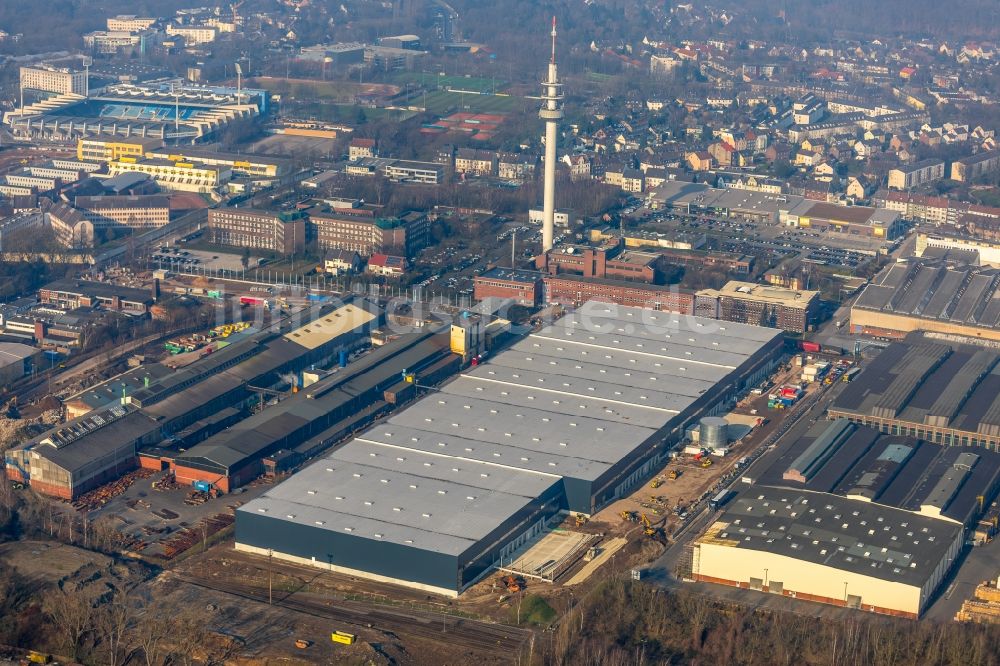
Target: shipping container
(850, 374)
(810, 346)
(256, 301)
(720, 499)
(202, 486)
(342, 637)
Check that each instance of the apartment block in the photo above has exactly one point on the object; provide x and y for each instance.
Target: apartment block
(46, 78)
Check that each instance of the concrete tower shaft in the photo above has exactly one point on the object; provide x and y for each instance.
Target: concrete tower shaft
(551, 113)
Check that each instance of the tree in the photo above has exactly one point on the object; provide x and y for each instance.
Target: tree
(245, 259)
(114, 623)
(71, 613)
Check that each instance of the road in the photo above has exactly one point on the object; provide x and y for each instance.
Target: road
(795, 425)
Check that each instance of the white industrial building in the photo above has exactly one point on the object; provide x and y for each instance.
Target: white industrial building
(852, 517)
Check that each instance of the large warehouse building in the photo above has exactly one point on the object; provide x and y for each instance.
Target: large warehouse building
(852, 517)
(109, 436)
(931, 389)
(568, 418)
(930, 295)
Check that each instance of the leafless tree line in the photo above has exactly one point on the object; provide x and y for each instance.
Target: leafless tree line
(623, 623)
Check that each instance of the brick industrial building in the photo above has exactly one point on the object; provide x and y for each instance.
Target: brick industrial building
(575, 290)
(284, 233)
(941, 392)
(524, 287)
(930, 295)
(608, 261)
(69, 294)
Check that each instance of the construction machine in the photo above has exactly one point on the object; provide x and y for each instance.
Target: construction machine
(514, 584)
(656, 483)
(628, 516)
(581, 520)
(673, 474)
(706, 462)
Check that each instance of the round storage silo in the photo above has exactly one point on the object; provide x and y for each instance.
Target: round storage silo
(713, 433)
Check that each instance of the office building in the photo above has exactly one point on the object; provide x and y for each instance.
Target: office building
(70, 294)
(405, 235)
(96, 149)
(284, 233)
(176, 176)
(134, 212)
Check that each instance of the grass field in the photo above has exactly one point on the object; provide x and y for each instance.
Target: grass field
(598, 77)
(434, 80)
(441, 101)
(345, 113)
(309, 89)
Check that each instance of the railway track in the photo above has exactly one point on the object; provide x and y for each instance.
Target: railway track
(498, 639)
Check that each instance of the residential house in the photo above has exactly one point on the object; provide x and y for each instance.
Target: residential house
(343, 262)
(514, 166)
(475, 162)
(387, 265)
(858, 188)
(699, 160)
(633, 180)
(359, 148)
(579, 167)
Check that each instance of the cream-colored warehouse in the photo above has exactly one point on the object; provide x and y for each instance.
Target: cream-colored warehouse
(826, 548)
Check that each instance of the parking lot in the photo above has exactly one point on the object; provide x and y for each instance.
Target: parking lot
(175, 258)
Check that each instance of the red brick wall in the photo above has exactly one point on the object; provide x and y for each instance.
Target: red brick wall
(186, 476)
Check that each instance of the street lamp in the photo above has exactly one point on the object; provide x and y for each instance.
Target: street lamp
(845, 592)
(765, 577)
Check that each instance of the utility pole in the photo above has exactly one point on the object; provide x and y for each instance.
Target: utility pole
(513, 248)
(270, 553)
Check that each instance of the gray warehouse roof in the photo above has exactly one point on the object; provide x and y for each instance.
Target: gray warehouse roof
(570, 407)
(870, 540)
(937, 290)
(930, 383)
(406, 497)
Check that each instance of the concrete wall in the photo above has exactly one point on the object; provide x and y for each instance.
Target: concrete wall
(815, 581)
(367, 558)
(885, 321)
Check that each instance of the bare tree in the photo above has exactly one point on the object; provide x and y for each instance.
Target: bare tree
(71, 614)
(114, 621)
(150, 633)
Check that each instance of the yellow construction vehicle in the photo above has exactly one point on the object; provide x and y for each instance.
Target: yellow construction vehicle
(706, 462)
(581, 520)
(673, 474)
(656, 483)
(628, 516)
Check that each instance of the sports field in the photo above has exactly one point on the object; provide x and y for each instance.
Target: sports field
(432, 80)
(311, 89)
(443, 101)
